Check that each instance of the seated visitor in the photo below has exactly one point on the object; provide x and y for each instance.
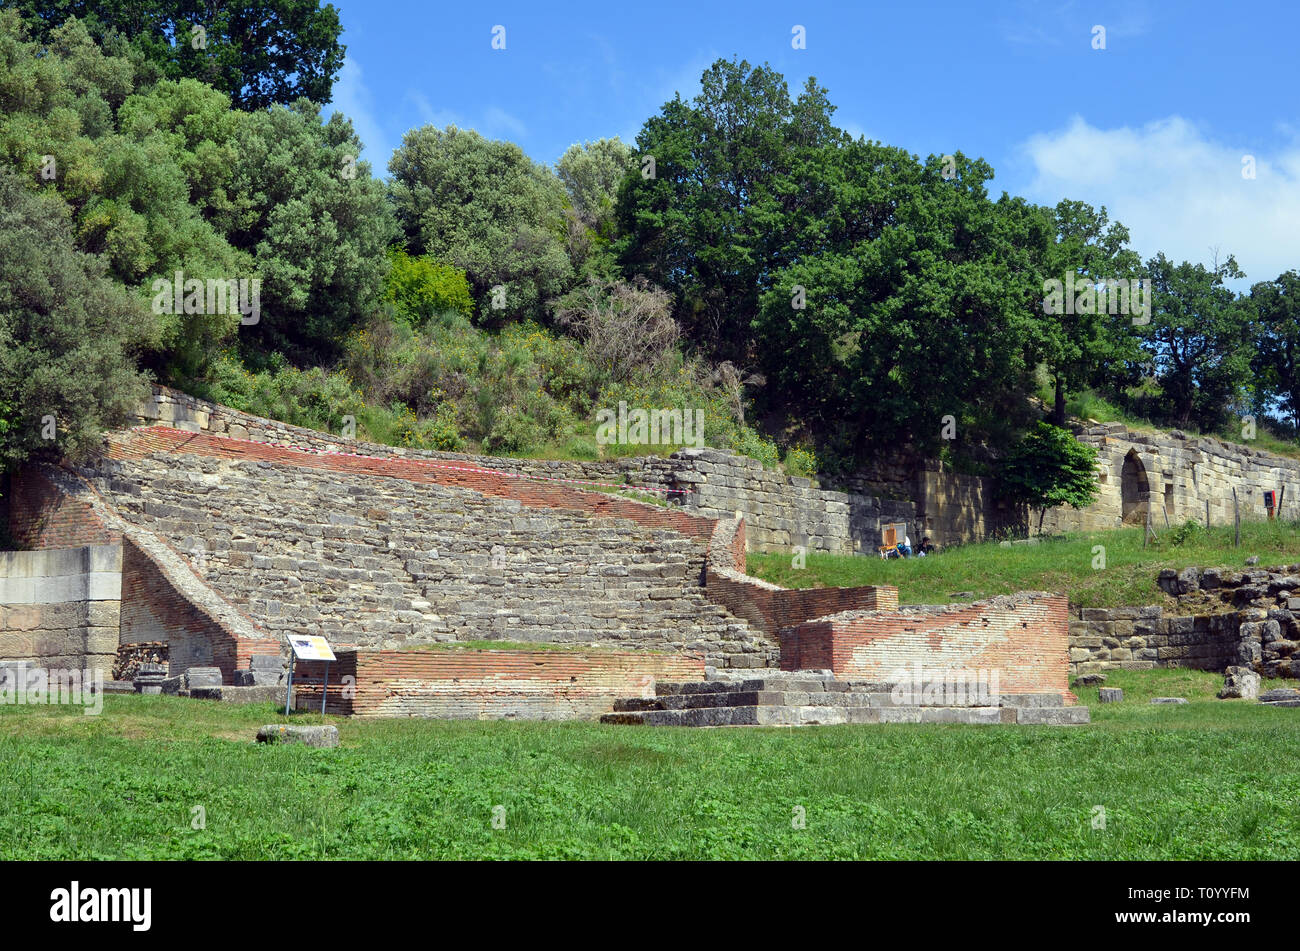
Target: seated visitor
(925, 548)
(905, 546)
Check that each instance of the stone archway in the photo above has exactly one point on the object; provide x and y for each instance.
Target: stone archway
(1135, 489)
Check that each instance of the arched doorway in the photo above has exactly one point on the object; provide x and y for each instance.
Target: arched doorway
(1135, 490)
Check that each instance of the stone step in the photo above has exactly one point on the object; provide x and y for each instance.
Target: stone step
(755, 715)
(1054, 716)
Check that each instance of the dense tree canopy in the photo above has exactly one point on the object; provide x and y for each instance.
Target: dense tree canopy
(1047, 468)
(489, 209)
(67, 333)
(258, 52)
(833, 298)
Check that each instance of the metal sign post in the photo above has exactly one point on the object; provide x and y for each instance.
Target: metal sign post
(310, 647)
(288, 691)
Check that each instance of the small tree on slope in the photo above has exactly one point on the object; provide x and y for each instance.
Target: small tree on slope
(1049, 467)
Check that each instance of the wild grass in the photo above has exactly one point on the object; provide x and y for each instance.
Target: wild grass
(1210, 779)
(1104, 569)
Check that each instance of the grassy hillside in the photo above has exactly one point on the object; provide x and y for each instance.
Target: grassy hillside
(1211, 779)
(1062, 563)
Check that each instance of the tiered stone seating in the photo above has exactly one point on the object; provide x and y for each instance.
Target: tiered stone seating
(376, 561)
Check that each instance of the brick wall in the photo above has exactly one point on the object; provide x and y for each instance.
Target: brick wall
(1025, 638)
(487, 684)
(771, 608)
(42, 516)
(154, 609)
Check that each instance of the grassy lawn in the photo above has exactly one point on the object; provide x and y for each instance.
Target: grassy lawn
(1062, 563)
(1209, 779)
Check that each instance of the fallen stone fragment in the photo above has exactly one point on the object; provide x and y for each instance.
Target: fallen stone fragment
(319, 736)
(1110, 694)
(1239, 682)
(1090, 680)
(1281, 693)
(1168, 700)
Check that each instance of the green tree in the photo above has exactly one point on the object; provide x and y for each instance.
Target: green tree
(259, 52)
(485, 207)
(1199, 339)
(67, 334)
(55, 101)
(1277, 344)
(1049, 467)
(592, 173)
(924, 305)
(729, 202)
(1081, 343)
(316, 222)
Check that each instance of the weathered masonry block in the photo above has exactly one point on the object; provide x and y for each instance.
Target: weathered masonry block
(1220, 618)
(60, 607)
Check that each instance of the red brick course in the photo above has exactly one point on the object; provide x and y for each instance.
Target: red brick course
(488, 684)
(42, 516)
(143, 442)
(1025, 638)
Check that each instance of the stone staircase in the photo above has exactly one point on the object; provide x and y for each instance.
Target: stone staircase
(375, 561)
(803, 698)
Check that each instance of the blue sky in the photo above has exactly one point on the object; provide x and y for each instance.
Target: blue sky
(1155, 126)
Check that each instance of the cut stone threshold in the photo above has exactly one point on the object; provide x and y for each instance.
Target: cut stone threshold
(805, 698)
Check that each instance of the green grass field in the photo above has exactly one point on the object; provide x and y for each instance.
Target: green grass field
(1210, 779)
(1062, 563)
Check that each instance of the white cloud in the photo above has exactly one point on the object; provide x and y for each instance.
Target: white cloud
(494, 123)
(1178, 190)
(353, 99)
(1032, 23)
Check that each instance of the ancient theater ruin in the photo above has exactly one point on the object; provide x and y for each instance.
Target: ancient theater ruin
(218, 535)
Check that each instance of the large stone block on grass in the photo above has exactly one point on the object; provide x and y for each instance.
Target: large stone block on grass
(1240, 682)
(317, 736)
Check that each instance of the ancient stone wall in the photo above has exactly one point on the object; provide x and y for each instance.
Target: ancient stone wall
(384, 553)
(1139, 638)
(1168, 474)
(1220, 618)
(781, 511)
(1173, 476)
(458, 683)
(59, 607)
(1023, 637)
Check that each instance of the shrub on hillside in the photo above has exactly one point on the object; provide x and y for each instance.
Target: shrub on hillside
(419, 287)
(313, 398)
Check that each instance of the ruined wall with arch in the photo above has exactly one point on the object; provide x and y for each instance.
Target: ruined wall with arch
(1173, 476)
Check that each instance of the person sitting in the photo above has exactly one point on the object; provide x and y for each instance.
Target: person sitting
(925, 548)
(905, 547)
